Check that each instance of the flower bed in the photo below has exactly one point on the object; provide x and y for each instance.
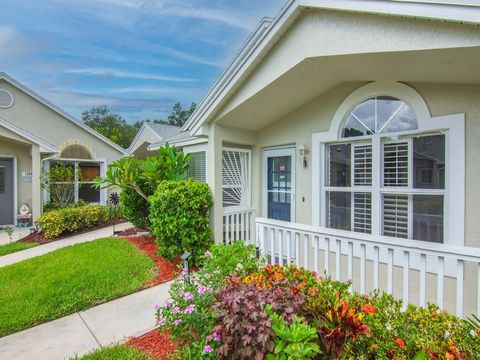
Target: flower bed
(234, 308)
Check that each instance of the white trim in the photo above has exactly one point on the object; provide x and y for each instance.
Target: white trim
(51, 106)
(269, 31)
(11, 97)
(45, 147)
(15, 186)
(144, 126)
(178, 143)
(275, 152)
(452, 125)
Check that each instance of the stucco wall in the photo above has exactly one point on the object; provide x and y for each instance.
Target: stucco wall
(41, 121)
(315, 116)
(24, 163)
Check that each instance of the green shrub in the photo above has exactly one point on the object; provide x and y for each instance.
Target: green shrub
(56, 222)
(179, 216)
(136, 207)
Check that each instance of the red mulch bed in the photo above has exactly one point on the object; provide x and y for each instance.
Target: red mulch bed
(167, 270)
(155, 343)
(37, 237)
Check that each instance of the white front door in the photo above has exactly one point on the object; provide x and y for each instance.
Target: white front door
(279, 184)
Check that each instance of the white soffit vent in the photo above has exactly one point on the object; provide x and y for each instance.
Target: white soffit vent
(6, 99)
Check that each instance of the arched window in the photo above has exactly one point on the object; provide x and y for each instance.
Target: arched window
(383, 167)
(76, 151)
(380, 115)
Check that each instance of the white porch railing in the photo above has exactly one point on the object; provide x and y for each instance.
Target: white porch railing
(416, 271)
(239, 224)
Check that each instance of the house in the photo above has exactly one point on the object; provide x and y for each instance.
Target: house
(148, 134)
(344, 136)
(34, 135)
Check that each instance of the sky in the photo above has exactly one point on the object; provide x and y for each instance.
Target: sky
(138, 57)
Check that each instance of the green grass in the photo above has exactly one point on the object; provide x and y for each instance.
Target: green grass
(118, 352)
(14, 247)
(67, 280)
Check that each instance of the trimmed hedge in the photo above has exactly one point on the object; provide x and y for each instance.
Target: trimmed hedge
(56, 222)
(179, 217)
(135, 207)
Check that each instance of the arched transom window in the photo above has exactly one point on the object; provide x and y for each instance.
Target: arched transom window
(384, 176)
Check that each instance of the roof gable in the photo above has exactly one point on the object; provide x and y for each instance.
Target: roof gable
(59, 111)
(270, 31)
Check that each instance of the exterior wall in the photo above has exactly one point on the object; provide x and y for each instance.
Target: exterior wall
(315, 116)
(324, 33)
(22, 152)
(36, 118)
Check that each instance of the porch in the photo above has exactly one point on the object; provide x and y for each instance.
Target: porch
(417, 272)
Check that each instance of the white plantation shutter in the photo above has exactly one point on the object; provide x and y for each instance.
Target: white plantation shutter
(198, 166)
(395, 164)
(235, 177)
(362, 212)
(395, 215)
(362, 165)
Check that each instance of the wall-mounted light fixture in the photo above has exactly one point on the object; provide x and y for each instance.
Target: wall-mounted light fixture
(302, 151)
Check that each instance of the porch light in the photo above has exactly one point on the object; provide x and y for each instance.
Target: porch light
(302, 150)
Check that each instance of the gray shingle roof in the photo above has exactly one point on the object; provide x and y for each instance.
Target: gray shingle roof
(164, 130)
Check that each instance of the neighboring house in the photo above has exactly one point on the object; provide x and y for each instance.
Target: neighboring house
(150, 133)
(35, 134)
(349, 133)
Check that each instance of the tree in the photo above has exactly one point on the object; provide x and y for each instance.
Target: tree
(180, 116)
(110, 125)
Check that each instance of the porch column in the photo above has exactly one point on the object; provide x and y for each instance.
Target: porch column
(214, 179)
(36, 186)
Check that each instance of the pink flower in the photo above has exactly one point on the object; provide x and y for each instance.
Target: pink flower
(167, 303)
(178, 321)
(187, 296)
(208, 276)
(189, 309)
(207, 349)
(216, 336)
(175, 310)
(160, 320)
(208, 254)
(157, 307)
(201, 289)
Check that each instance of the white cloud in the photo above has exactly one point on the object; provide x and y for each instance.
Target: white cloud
(126, 74)
(186, 56)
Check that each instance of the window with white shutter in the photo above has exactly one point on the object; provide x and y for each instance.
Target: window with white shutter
(198, 166)
(236, 177)
(399, 176)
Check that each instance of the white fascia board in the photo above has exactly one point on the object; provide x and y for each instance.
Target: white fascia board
(434, 10)
(145, 127)
(61, 112)
(45, 147)
(180, 143)
(266, 32)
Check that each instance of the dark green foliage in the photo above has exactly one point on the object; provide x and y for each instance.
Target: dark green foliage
(179, 216)
(135, 208)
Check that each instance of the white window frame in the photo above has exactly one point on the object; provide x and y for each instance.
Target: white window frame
(76, 183)
(453, 126)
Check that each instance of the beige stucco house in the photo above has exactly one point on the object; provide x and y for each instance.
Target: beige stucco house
(345, 136)
(148, 134)
(35, 134)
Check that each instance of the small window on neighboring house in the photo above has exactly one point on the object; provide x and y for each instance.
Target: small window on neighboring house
(198, 166)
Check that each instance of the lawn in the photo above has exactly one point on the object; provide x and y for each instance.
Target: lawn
(68, 280)
(118, 352)
(14, 247)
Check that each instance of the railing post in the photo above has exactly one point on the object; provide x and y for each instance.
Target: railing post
(459, 300)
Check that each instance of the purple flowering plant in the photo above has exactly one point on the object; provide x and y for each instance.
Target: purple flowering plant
(188, 314)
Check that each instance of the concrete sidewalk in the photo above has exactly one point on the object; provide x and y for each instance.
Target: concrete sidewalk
(82, 332)
(72, 240)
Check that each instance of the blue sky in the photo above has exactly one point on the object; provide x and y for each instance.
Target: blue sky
(138, 57)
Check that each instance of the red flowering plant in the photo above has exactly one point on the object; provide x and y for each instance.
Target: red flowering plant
(399, 332)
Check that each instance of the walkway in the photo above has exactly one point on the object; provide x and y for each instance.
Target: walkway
(72, 240)
(77, 334)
